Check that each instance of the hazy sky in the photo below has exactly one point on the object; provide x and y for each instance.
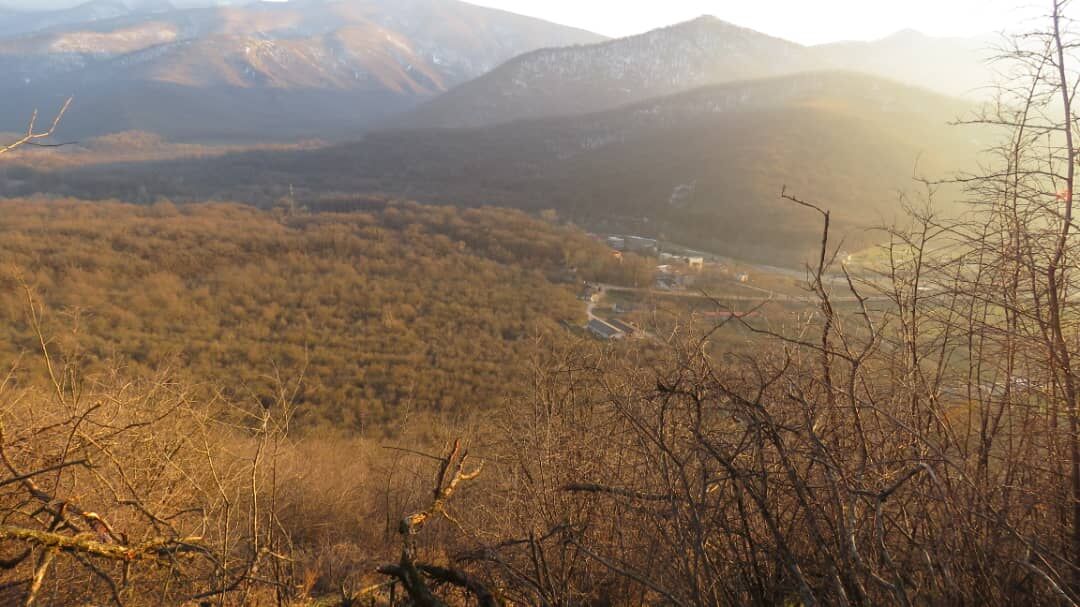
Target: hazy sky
(806, 21)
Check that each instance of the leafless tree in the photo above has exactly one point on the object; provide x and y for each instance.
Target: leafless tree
(417, 577)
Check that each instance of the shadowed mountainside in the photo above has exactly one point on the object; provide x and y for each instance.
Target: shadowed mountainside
(703, 167)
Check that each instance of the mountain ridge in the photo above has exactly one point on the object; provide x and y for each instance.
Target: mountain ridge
(844, 139)
(655, 63)
(401, 51)
(699, 52)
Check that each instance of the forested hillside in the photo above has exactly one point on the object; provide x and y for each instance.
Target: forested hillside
(394, 309)
(703, 168)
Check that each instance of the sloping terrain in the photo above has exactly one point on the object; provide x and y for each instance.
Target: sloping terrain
(14, 22)
(272, 65)
(383, 312)
(705, 51)
(577, 80)
(703, 168)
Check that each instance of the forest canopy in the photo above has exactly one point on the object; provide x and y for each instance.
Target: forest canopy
(397, 308)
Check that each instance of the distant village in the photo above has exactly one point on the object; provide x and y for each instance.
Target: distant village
(678, 270)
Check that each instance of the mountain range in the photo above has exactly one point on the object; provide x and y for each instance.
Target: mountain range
(702, 52)
(686, 132)
(262, 70)
(220, 71)
(47, 15)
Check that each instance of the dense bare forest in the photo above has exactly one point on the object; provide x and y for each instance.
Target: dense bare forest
(403, 307)
(912, 437)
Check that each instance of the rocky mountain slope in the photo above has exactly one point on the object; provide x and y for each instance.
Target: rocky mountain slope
(351, 60)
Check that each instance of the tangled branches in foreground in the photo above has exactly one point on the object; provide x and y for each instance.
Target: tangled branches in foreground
(135, 493)
(103, 495)
(914, 440)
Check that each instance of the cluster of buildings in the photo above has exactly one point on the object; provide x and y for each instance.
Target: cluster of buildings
(690, 261)
(678, 271)
(670, 279)
(675, 272)
(609, 329)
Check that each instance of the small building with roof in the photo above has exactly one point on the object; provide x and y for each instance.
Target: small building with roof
(627, 328)
(603, 330)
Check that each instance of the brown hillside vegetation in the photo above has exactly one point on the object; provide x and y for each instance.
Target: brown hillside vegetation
(128, 146)
(400, 307)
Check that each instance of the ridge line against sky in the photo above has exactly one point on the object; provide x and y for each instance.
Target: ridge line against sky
(802, 21)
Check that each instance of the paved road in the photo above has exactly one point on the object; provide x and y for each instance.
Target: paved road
(766, 295)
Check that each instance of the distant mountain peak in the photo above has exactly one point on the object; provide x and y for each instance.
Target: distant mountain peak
(575, 80)
(710, 24)
(706, 18)
(150, 5)
(116, 4)
(714, 25)
(907, 34)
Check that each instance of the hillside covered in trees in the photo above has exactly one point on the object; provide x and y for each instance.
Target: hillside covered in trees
(393, 310)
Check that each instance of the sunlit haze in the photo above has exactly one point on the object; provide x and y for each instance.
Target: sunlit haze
(798, 20)
(806, 22)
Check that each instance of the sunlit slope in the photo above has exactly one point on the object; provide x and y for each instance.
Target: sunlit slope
(268, 66)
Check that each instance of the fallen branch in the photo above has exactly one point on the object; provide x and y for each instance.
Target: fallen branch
(86, 543)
